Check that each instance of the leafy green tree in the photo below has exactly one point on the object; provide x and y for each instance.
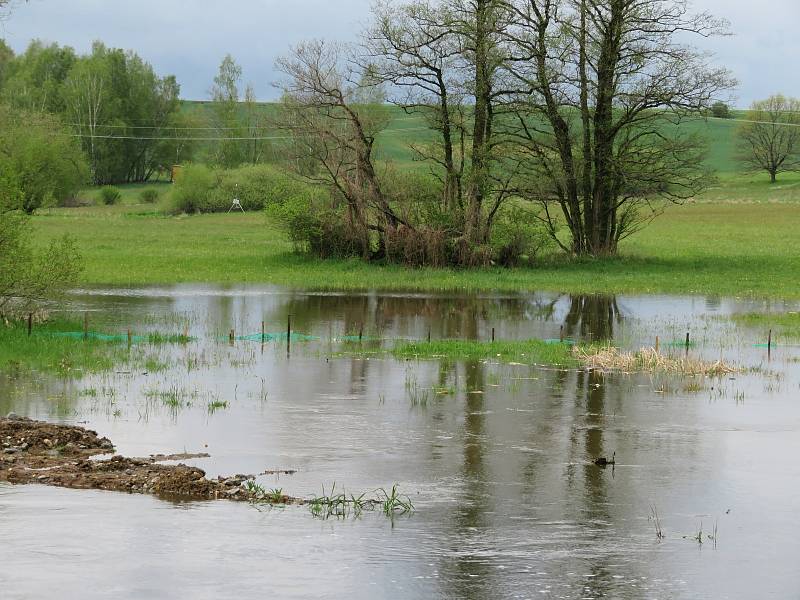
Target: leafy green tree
(112, 99)
(122, 109)
(6, 56)
(226, 115)
(29, 277)
(41, 161)
(34, 80)
(720, 110)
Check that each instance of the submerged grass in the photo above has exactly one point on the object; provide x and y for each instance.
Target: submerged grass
(341, 505)
(785, 325)
(527, 351)
(44, 352)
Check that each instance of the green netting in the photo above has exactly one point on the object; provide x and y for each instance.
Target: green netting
(93, 335)
(155, 338)
(567, 341)
(272, 337)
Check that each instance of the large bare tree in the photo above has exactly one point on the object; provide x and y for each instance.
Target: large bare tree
(770, 139)
(446, 57)
(413, 47)
(600, 87)
(334, 113)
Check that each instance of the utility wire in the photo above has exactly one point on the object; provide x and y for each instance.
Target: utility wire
(217, 138)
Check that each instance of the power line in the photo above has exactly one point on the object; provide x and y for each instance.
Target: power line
(217, 138)
(209, 128)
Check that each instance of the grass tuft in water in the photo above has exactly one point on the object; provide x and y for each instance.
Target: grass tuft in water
(341, 505)
(42, 351)
(527, 351)
(649, 361)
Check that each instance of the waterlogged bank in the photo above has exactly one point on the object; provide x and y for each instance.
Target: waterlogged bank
(61, 455)
(497, 458)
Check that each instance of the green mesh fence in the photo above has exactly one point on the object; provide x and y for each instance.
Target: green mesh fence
(273, 337)
(154, 338)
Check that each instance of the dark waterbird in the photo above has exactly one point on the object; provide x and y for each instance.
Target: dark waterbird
(603, 461)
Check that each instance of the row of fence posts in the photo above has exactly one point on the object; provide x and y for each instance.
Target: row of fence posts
(232, 334)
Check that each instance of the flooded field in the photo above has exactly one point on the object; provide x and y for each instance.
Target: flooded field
(497, 457)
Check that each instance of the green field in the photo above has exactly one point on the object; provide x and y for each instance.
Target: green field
(745, 247)
(739, 239)
(403, 129)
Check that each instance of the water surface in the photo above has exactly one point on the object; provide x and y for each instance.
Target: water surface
(497, 458)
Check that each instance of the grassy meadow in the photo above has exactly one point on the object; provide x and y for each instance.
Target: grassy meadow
(738, 239)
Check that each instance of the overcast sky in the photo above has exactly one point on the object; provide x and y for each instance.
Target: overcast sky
(188, 38)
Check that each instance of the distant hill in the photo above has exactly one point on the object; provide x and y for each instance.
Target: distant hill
(404, 130)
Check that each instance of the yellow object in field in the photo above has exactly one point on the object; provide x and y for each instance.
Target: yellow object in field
(176, 170)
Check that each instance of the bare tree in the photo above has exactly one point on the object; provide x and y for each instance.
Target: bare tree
(334, 114)
(446, 57)
(770, 140)
(600, 86)
(414, 48)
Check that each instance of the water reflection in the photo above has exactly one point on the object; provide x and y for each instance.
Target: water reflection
(592, 317)
(499, 463)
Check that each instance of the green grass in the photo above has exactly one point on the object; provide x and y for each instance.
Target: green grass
(527, 351)
(746, 249)
(129, 194)
(737, 239)
(44, 352)
(785, 325)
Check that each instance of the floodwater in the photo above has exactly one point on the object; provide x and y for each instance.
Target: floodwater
(497, 458)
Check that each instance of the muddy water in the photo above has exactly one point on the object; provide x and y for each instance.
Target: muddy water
(496, 458)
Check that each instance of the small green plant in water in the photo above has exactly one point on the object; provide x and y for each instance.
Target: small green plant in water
(215, 405)
(393, 503)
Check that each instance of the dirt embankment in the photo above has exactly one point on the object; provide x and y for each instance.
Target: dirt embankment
(65, 456)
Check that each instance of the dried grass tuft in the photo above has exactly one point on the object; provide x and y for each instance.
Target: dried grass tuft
(650, 361)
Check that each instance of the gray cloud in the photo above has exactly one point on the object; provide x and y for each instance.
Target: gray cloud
(189, 37)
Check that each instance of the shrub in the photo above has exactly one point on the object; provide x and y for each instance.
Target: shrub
(331, 236)
(190, 192)
(421, 247)
(203, 189)
(517, 236)
(110, 195)
(149, 195)
(720, 110)
(48, 165)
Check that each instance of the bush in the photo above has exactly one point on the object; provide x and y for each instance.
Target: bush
(149, 195)
(517, 236)
(720, 110)
(203, 189)
(190, 192)
(110, 195)
(421, 247)
(48, 165)
(331, 236)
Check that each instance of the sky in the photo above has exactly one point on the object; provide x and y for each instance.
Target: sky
(189, 38)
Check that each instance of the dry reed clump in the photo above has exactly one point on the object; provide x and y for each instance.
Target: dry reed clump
(648, 360)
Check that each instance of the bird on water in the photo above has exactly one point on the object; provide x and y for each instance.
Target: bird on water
(603, 461)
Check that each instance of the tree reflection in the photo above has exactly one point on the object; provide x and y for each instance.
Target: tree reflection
(592, 317)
